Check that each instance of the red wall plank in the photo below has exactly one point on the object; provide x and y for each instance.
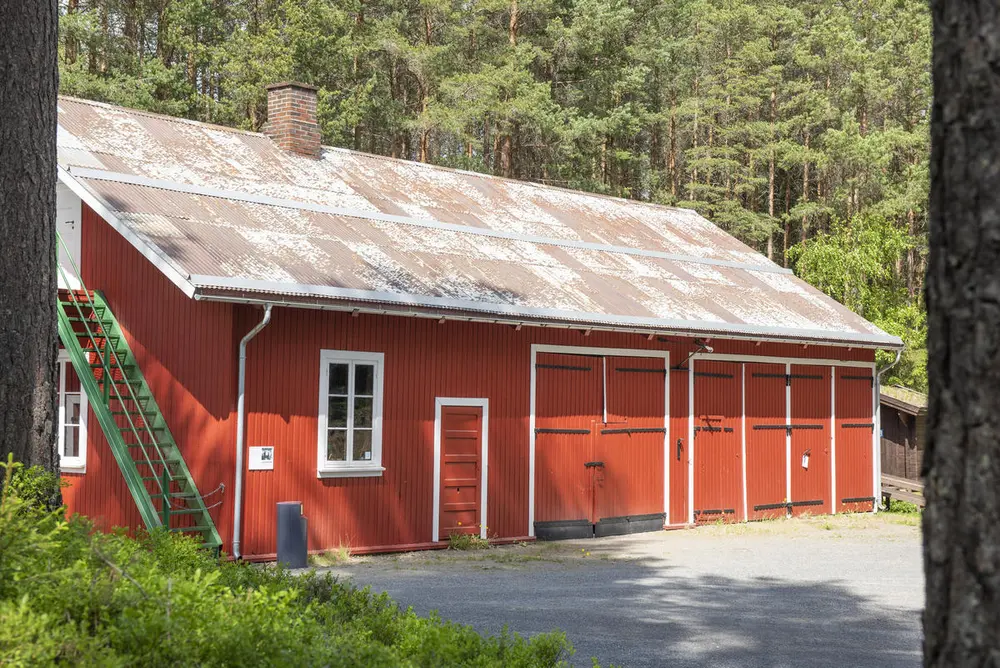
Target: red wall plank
(766, 448)
(810, 406)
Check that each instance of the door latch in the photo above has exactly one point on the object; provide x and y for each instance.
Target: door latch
(680, 446)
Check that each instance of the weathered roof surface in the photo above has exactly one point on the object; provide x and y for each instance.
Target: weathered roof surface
(904, 399)
(227, 214)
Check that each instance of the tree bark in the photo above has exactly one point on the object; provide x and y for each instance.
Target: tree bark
(28, 346)
(962, 457)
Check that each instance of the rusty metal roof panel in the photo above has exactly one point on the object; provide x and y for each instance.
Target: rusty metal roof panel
(236, 215)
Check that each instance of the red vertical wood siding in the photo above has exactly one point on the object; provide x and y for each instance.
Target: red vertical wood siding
(568, 398)
(718, 459)
(811, 405)
(633, 462)
(679, 445)
(766, 448)
(853, 393)
(187, 350)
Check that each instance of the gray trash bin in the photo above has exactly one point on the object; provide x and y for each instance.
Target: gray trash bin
(292, 544)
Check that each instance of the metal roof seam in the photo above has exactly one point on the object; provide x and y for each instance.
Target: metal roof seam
(142, 181)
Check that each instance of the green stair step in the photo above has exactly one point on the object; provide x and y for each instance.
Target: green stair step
(129, 397)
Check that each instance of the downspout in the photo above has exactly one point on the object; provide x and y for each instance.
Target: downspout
(241, 429)
(877, 414)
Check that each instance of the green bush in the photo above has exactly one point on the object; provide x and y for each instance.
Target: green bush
(903, 507)
(70, 595)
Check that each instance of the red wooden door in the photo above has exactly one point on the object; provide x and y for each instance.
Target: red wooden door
(718, 462)
(766, 418)
(855, 425)
(810, 457)
(568, 403)
(678, 449)
(628, 486)
(461, 452)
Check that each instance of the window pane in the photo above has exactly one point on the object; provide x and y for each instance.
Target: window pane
(338, 378)
(336, 445)
(71, 442)
(363, 412)
(362, 445)
(72, 409)
(364, 378)
(337, 413)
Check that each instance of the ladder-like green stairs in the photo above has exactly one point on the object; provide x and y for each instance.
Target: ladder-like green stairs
(136, 431)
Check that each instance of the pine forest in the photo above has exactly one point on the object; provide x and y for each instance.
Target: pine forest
(800, 127)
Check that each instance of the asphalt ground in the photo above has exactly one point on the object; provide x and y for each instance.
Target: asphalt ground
(823, 591)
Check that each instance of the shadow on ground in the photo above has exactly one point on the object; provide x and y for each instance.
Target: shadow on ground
(634, 615)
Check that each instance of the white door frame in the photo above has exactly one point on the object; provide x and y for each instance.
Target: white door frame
(440, 402)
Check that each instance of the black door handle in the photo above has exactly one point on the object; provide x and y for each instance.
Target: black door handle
(593, 464)
(680, 446)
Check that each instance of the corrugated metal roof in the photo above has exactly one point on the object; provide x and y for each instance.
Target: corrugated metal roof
(234, 215)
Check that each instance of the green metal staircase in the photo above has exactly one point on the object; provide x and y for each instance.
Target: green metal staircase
(122, 402)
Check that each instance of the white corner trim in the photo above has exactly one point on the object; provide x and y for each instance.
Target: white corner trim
(666, 440)
(833, 439)
(531, 445)
(439, 403)
(177, 276)
(690, 448)
(743, 437)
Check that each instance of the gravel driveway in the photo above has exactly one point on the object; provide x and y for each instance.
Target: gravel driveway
(825, 591)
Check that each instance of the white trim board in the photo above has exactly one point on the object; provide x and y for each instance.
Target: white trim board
(439, 403)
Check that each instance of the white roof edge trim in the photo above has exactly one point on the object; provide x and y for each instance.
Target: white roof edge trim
(150, 252)
(510, 310)
(133, 179)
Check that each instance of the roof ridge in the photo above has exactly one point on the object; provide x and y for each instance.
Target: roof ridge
(377, 156)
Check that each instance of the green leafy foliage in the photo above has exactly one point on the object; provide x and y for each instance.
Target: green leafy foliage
(776, 120)
(69, 595)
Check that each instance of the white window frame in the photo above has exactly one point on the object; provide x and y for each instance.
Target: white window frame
(369, 468)
(76, 464)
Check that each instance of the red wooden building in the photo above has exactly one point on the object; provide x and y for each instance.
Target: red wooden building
(412, 351)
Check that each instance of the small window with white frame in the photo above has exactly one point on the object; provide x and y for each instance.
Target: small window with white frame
(72, 419)
(350, 414)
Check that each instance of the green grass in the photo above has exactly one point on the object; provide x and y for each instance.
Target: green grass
(465, 541)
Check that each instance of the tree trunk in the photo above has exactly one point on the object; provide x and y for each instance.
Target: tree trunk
(514, 19)
(672, 158)
(961, 525)
(28, 340)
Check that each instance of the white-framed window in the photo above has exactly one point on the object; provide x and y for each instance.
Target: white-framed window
(72, 418)
(350, 413)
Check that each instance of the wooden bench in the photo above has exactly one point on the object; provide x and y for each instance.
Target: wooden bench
(902, 489)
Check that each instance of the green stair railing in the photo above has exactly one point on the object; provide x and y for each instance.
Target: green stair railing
(146, 452)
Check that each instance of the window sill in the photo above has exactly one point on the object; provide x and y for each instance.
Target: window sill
(352, 472)
(73, 468)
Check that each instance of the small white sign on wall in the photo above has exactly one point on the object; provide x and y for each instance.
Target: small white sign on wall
(261, 457)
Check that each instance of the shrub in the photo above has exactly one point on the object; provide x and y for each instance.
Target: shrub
(71, 595)
(903, 507)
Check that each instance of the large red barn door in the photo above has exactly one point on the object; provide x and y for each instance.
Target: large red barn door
(766, 417)
(854, 405)
(679, 449)
(718, 464)
(568, 409)
(810, 428)
(628, 486)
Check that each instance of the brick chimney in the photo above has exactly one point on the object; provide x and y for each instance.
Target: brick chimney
(291, 118)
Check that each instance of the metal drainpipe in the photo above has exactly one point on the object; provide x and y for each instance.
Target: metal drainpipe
(878, 424)
(241, 427)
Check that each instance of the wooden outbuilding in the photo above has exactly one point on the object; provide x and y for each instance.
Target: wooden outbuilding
(412, 351)
(904, 424)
